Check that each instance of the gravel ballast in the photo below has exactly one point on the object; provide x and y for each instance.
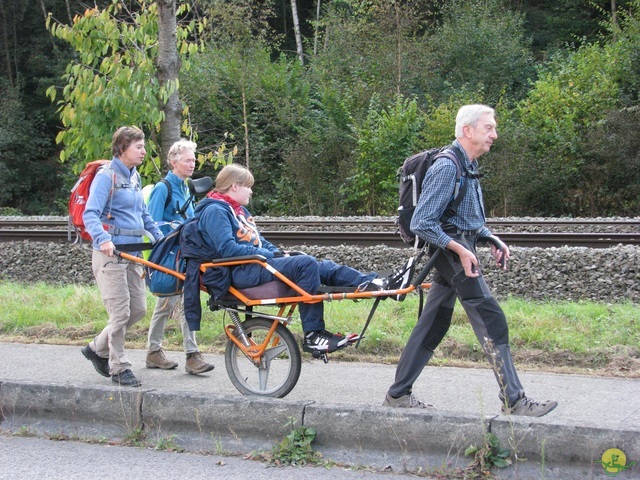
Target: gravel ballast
(566, 273)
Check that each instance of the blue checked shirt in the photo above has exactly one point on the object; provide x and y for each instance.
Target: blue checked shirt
(437, 193)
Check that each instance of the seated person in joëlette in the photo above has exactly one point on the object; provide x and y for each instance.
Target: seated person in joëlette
(225, 228)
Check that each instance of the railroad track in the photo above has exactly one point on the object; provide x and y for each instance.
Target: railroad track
(389, 224)
(364, 234)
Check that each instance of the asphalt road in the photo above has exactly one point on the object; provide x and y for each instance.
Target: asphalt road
(36, 458)
(46, 387)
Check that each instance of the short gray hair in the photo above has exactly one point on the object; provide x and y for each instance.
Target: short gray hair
(469, 115)
(177, 148)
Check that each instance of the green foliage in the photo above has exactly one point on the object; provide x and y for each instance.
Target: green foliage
(135, 437)
(113, 79)
(261, 104)
(10, 212)
(309, 134)
(555, 124)
(295, 448)
(350, 33)
(168, 444)
(387, 137)
(24, 431)
(480, 47)
(628, 45)
(487, 456)
(29, 181)
(611, 173)
(440, 119)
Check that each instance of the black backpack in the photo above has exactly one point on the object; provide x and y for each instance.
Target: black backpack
(411, 176)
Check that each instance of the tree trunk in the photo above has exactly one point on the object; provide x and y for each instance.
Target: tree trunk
(168, 69)
(296, 30)
(398, 48)
(5, 41)
(614, 20)
(245, 117)
(315, 32)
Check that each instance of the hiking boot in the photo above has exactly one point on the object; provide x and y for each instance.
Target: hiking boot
(528, 407)
(196, 364)
(126, 379)
(324, 341)
(158, 359)
(101, 364)
(405, 401)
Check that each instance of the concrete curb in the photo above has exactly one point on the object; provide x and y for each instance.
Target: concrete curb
(85, 412)
(216, 422)
(374, 436)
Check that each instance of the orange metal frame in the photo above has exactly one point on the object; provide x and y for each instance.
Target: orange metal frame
(255, 351)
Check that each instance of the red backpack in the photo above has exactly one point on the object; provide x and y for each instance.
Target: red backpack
(78, 199)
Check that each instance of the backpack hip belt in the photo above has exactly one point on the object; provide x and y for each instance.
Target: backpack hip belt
(138, 232)
(452, 229)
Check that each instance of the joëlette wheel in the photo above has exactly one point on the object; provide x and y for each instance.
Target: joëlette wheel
(278, 370)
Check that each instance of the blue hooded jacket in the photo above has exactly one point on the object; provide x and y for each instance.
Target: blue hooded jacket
(216, 232)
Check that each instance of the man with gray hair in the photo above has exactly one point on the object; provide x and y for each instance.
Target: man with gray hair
(457, 270)
(182, 160)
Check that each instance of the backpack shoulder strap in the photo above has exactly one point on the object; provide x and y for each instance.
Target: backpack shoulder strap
(169, 191)
(454, 154)
(461, 185)
(107, 168)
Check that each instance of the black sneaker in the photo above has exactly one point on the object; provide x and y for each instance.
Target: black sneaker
(373, 285)
(126, 379)
(324, 341)
(101, 364)
(401, 279)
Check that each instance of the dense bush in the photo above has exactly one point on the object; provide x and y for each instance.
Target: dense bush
(380, 80)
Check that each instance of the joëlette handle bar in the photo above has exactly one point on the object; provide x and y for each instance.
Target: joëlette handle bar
(498, 244)
(427, 268)
(142, 261)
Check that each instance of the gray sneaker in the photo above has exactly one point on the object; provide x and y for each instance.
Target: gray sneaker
(528, 407)
(405, 401)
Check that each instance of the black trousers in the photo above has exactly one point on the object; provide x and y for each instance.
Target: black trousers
(485, 315)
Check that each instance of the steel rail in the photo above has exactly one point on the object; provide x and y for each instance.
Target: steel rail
(390, 223)
(391, 239)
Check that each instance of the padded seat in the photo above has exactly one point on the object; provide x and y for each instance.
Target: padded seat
(273, 289)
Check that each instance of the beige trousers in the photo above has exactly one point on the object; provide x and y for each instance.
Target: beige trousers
(124, 295)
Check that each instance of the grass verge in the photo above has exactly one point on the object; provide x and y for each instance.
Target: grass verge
(566, 337)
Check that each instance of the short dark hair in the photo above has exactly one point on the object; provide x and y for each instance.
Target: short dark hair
(123, 137)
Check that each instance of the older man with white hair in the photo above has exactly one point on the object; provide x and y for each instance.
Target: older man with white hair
(458, 274)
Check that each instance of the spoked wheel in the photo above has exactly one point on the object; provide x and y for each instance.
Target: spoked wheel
(276, 373)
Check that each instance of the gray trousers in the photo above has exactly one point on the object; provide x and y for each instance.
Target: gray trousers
(166, 307)
(485, 315)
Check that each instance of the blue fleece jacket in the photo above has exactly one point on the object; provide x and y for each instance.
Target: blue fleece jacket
(179, 195)
(124, 209)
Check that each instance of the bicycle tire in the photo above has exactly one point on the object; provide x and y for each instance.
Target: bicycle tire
(279, 368)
